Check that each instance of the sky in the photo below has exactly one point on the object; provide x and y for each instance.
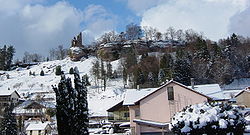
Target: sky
(36, 26)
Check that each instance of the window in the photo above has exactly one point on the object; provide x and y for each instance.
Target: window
(137, 112)
(126, 114)
(170, 93)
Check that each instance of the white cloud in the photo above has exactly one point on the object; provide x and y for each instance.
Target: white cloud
(31, 26)
(209, 16)
(98, 20)
(37, 28)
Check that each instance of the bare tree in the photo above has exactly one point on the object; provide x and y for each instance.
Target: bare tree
(171, 33)
(133, 31)
(149, 32)
(180, 35)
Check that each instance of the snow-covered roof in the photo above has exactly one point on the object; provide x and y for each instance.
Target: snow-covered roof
(211, 90)
(151, 123)
(238, 84)
(5, 92)
(37, 126)
(21, 107)
(133, 95)
(245, 90)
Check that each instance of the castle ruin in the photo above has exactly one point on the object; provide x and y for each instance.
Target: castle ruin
(77, 41)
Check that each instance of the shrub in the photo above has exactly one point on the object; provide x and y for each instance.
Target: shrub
(58, 70)
(210, 119)
(71, 71)
(42, 73)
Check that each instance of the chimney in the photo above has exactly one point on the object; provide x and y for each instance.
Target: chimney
(192, 83)
(138, 87)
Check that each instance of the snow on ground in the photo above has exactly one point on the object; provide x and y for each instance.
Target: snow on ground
(25, 84)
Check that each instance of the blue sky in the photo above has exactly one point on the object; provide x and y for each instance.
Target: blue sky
(38, 25)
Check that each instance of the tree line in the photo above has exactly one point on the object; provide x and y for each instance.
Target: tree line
(200, 58)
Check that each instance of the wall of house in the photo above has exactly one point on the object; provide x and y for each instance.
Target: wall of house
(14, 97)
(243, 99)
(47, 131)
(35, 132)
(132, 117)
(158, 102)
(157, 107)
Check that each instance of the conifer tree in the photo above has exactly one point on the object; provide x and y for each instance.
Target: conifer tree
(58, 70)
(9, 124)
(161, 76)
(71, 71)
(72, 106)
(109, 70)
(182, 72)
(42, 73)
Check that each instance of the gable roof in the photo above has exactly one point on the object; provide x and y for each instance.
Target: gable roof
(140, 95)
(8, 92)
(133, 95)
(177, 83)
(115, 107)
(212, 90)
(245, 90)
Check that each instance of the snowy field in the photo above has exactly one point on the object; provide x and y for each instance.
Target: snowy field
(25, 84)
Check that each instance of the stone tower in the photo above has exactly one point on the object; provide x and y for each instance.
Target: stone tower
(77, 41)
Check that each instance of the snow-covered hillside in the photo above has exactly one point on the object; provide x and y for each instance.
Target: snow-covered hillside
(26, 84)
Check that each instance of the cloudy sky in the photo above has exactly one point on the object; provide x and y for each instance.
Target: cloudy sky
(38, 25)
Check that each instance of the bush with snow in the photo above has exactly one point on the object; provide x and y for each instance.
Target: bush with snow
(209, 118)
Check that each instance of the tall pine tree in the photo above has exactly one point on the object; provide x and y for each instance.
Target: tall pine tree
(72, 106)
(9, 124)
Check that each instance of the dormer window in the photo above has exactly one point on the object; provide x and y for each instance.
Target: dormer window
(170, 93)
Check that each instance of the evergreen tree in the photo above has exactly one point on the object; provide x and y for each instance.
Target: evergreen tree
(141, 77)
(72, 106)
(42, 73)
(63, 106)
(6, 56)
(109, 70)
(161, 76)
(30, 73)
(85, 78)
(58, 70)
(182, 72)
(9, 124)
(10, 53)
(81, 106)
(151, 78)
(71, 71)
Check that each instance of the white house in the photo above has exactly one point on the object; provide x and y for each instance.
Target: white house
(38, 129)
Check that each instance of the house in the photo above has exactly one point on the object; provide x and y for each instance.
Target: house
(118, 113)
(8, 97)
(243, 97)
(38, 129)
(232, 89)
(31, 109)
(211, 90)
(151, 110)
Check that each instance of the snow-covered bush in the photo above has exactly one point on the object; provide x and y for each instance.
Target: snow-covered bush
(210, 119)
